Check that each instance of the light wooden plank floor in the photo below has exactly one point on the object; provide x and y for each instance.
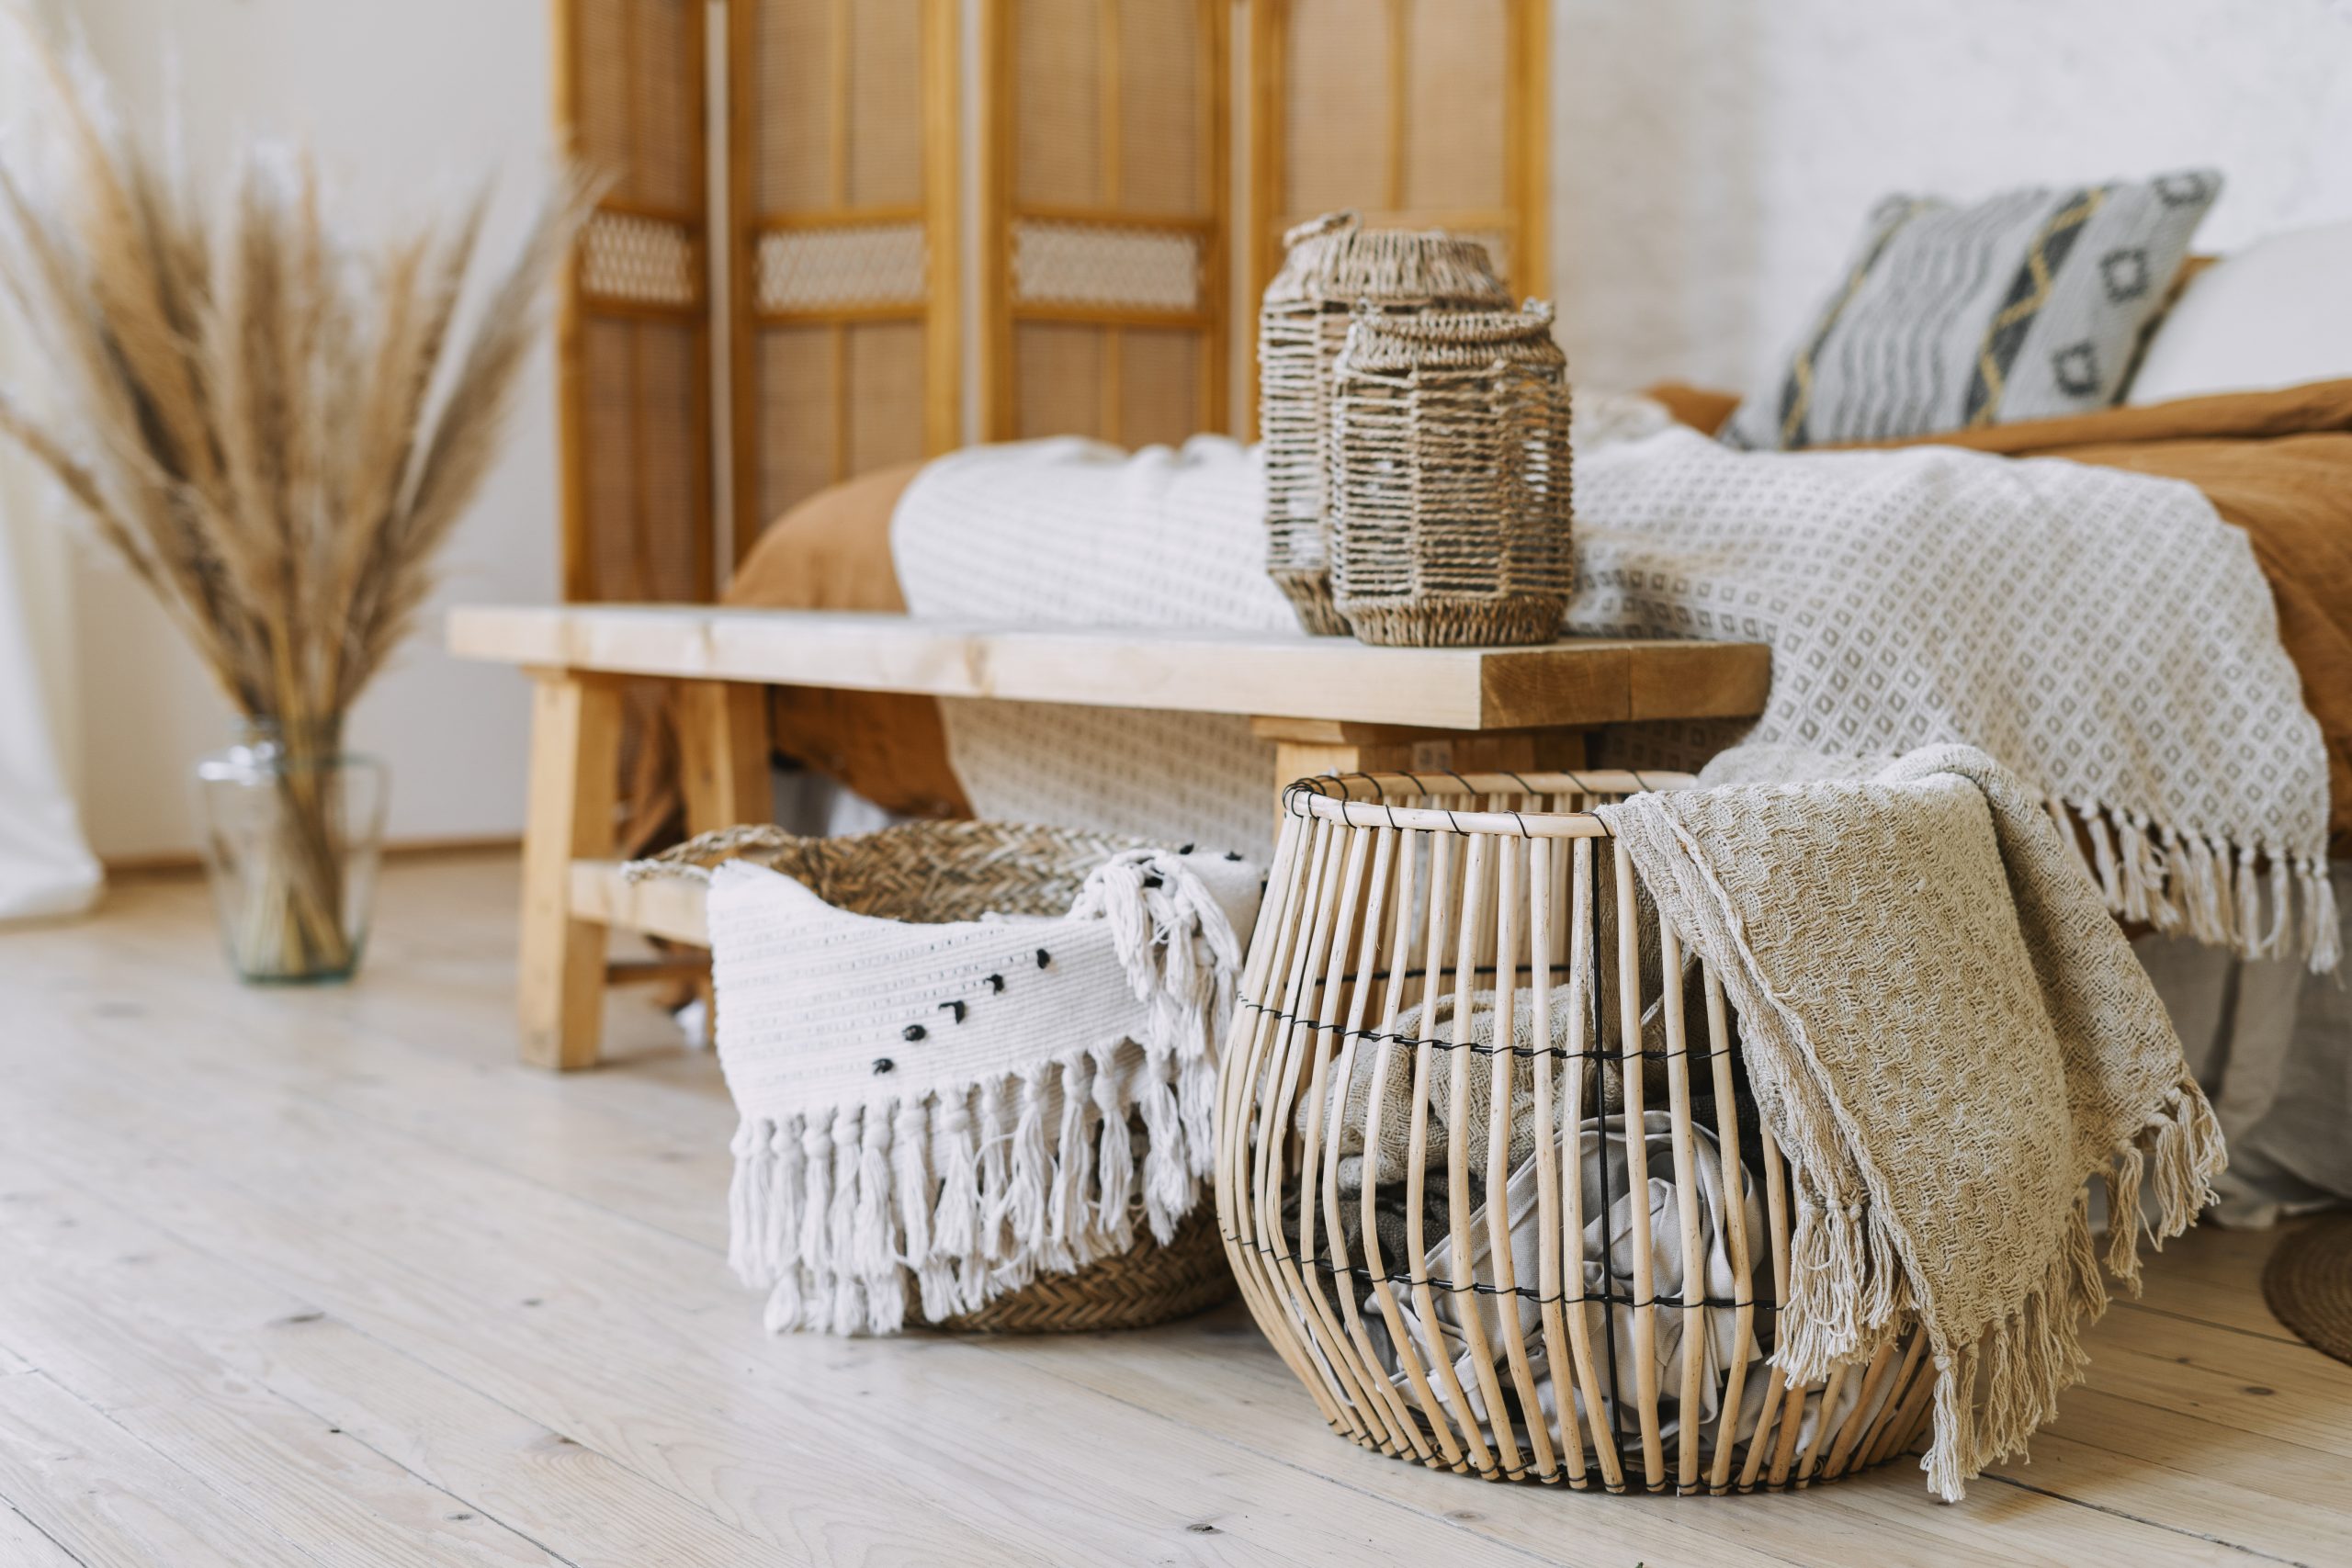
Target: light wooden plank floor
(323, 1277)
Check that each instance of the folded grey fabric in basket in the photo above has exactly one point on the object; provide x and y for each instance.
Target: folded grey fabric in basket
(1946, 1034)
(1443, 1338)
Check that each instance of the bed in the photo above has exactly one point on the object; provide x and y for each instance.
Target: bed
(2278, 464)
(2244, 392)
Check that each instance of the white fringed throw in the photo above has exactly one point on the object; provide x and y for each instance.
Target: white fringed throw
(1946, 1036)
(945, 1109)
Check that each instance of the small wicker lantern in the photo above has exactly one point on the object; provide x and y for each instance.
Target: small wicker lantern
(1333, 268)
(1500, 1196)
(1450, 491)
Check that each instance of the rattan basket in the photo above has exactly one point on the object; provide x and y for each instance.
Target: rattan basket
(1145, 1285)
(1368, 1115)
(1333, 268)
(1450, 479)
(921, 874)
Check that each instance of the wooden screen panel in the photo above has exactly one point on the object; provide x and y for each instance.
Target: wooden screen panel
(1104, 219)
(633, 336)
(1420, 113)
(647, 532)
(842, 138)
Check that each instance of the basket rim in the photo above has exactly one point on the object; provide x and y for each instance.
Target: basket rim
(1363, 800)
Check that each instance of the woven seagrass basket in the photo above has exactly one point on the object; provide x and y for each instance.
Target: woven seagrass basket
(1450, 479)
(936, 872)
(1145, 1285)
(1333, 268)
(1456, 1028)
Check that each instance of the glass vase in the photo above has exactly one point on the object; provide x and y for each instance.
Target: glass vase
(293, 826)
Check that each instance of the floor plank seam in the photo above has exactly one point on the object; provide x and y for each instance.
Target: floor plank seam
(2209, 1322)
(34, 1525)
(2324, 1455)
(259, 1277)
(2140, 1520)
(481, 1162)
(318, 1100)
(1442, 1516)
(172, 1460)
(755, 1535)
(275, 1392)
(464, 1503)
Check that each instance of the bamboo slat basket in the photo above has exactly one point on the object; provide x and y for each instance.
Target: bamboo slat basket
(924, 872)
(1333, 268)
(1367, 1115)
(1450, 479)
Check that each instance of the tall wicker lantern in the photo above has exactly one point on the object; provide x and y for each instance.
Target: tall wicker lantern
(1450, 470)
(1488, 1167)
(1335, 267)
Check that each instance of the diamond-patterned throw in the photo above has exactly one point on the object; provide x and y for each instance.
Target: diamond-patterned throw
(2104, 634)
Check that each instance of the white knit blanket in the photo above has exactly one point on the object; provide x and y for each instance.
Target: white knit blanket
(940, 1113)
(2105, 634)
(1074, 532)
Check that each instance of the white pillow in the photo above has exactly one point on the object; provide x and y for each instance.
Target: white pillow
(2278, 313)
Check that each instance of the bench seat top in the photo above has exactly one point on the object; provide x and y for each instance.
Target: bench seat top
(1575, 682)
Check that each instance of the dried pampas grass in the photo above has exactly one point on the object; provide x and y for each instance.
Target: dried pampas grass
(250, 396)
(275, 424)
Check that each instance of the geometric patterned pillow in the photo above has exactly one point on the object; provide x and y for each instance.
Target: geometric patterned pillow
(2027, 305)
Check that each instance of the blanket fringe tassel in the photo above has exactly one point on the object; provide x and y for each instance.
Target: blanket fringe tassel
(956, 1197)
(2204, 887)
(1992, 1393)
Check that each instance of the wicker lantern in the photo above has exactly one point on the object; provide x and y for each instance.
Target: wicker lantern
(1333, 268)
(1498, 1194)
(1450, 485)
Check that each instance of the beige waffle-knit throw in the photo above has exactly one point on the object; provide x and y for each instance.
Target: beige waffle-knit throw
(1947, 1035)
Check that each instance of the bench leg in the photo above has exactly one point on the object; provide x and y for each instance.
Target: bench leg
(1306, 747)
(723, 770)
(575, 760)
(723, 753)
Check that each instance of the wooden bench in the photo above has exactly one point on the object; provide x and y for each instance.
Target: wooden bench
(1327, 703)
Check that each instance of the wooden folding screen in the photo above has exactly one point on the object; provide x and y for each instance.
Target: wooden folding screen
(1103, 212)
(841, 144)
(634, 329)
(1102, 209)
(1420, 112)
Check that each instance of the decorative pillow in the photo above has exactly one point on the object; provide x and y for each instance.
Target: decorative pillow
(2029, 305)
(2275, 314)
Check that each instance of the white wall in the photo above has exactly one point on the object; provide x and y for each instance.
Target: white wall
(1713, 159)
(409, 104)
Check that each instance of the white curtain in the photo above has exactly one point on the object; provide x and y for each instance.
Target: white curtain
(46, 867)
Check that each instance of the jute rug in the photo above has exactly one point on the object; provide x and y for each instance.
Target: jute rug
(2307, 1283)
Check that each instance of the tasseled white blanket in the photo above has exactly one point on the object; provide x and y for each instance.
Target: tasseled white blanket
(937, 1113)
